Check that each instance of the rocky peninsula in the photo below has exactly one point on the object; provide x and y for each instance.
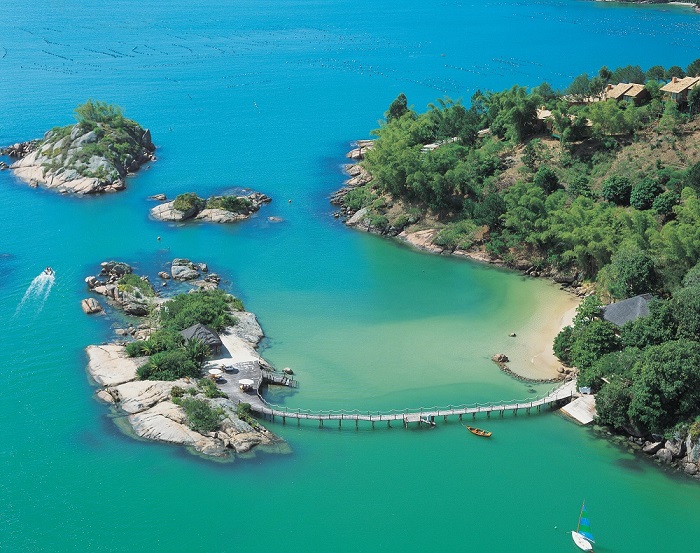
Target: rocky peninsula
(92, 156)
(160, 381)
(215, 209)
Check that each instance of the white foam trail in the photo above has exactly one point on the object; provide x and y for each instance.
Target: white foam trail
(37, 293)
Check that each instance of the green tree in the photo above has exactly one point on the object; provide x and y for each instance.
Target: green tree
(169, 365)
(580, 87)
(616, 189)
(629, 74)
(664, 202)
(666, 385)
(397, 109)
(546, 179)
(644, 193)
(656, 73)
(693, 69)
(675, 71)
(613, 402)
(686, 311)
(201, 417)
(580, 186)
(197, 350)
(631, 272)
(592, 342)
(658, 327)
(92, 112)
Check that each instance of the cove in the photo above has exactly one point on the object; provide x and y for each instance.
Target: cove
(266, 95)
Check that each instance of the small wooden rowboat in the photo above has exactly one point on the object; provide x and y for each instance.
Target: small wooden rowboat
(479, 432)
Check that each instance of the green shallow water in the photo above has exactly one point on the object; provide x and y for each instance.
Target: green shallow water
(267, 95)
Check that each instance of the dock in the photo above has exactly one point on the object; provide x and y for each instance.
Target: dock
(555, 398)
(239, 361)
(582, 409)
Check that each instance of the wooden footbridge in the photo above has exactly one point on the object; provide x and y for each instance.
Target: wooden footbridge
(556, 397)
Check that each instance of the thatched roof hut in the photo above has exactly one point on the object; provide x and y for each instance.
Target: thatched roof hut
(204, 334)
(627, 310)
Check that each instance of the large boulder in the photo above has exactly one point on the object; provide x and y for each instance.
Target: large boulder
(109, 365)
(139, 395)
(650, 448)
(183, 272)
(693, 449)
(90, 306)
(664, 455)
(167, 212)
(166, 422)
(676, 447)
(220, 216)
(247, 328)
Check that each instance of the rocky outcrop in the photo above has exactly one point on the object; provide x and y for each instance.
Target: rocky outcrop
(167, 212)
(362, 147)
(85, 158)
(109, 365)
(155, 415)
(684, 454)
(20, 149)
(90, 306)
(216, 209)
(247, 328)
(134, 299)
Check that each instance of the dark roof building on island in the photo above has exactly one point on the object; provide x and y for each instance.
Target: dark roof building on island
(204, 334)
(627, 310)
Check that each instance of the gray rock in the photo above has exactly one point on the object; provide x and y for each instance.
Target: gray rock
(109, 365)
(690, 469)
(90, 306)
(164, 275)
(358, 218)
(167, 212)
(676, 447)
(247, 328)
(182, 272)
(220, 216)
(158, 197)
(135, 306)
(651, 448)
(664, 455)
(693, 449)
(500, 358)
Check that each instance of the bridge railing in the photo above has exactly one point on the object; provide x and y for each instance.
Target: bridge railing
(534, 401)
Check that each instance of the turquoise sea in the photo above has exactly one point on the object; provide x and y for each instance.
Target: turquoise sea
(268, 95)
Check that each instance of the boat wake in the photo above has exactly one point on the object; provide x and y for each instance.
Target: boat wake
(38, 292)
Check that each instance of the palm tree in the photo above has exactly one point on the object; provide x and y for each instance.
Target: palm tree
(197, 350)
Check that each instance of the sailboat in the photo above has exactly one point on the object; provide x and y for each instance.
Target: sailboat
(582, 535)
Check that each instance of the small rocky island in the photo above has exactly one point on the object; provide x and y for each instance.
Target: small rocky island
(175, 373)
(92, 156)
(216, 209)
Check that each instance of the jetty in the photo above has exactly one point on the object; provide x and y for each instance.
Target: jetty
(557, 397)
(241, 375)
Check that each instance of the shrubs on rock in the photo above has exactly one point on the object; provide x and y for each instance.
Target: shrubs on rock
(189, 201)
(201, 417)
(136, 285)
(208, 307)
(235, 204)
(169, 365)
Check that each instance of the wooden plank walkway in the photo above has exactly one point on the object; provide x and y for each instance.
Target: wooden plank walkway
(559, 394)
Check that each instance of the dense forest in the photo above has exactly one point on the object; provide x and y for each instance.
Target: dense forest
(574, 181)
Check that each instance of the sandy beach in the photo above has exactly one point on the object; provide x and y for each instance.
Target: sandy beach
(530, 352)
